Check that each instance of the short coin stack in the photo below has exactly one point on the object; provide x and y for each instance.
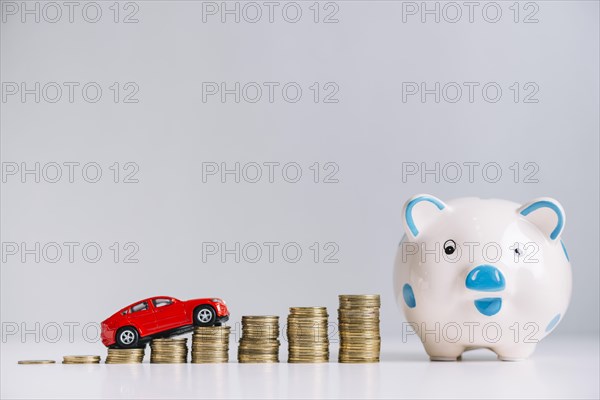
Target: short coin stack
(307, 335)
(125, 356)
(210, 344)
(81, 360)
(168, 351)
(360, 340)
(259, 342)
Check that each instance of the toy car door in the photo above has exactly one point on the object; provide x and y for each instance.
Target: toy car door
(169, 314)
(141, 315)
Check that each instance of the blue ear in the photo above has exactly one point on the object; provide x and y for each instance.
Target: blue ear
(546, 221)
(409, 218)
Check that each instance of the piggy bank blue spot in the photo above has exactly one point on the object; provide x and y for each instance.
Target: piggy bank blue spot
(489, 306)
(553, 323)
(409, 296)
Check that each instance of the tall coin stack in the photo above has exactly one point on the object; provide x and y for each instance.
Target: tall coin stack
(360, 340)
(168, 351)
(307, 335)
(259, 342)
(125, 356)
(210, 344)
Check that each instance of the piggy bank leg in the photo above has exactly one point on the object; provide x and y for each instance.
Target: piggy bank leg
(516, 352)
(443, 351)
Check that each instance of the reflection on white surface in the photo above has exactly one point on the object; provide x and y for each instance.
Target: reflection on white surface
(215, 374)
(254, 380)
(310, 379)
(124, 384)
(365, 380)
(562, 367)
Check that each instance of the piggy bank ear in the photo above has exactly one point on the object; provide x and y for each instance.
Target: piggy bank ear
(545, 213)
(419, 211)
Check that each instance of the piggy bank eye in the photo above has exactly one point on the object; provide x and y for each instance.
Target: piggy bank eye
(449, 246)
(517, 251)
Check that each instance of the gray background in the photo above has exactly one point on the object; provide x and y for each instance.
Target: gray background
(369, 133)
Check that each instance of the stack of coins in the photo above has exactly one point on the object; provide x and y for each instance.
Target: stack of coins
(210, 344)
(259, 342)
(307, 335)
(125, 356)
(359, 328)
(81, 360)
(168, 351)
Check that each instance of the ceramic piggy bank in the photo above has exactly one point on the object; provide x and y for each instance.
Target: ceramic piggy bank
(473, 273)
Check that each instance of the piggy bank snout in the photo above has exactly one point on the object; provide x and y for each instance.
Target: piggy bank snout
(485, 278)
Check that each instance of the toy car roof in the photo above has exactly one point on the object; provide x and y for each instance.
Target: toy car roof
(147, 299)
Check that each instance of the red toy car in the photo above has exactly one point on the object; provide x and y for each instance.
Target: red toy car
(160, 316)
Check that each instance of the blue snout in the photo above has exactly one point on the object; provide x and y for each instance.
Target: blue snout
(485, 278)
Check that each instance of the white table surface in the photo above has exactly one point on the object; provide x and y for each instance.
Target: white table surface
(562, 367)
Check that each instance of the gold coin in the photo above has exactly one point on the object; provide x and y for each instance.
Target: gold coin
(81, 362)
(359, 298)
(308, 310)
(360, 346)
(308, 352)
(261, 349)
(81, 359)
(212, 328)
(31, 362)
(355, 303)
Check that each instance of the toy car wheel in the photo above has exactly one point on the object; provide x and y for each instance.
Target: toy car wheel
(127, 337)
(204, 316)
